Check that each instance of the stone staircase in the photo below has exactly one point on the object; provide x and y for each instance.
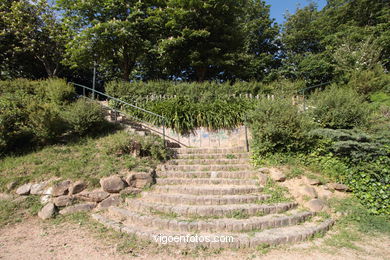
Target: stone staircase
(212, 193)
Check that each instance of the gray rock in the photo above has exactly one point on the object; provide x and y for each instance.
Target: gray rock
(113, 200)
(277, 175)
(38, 188)
(139, 180)
(63, 201)
(263, 178)
(24, 189)
(47, 211)
(45, 199)
(77, 187)
(325, 194)
(308, 191)
(338, 187)
(48, 191)
(130, 191)
(78, 208)
(316, 205)
(313, 181)
(93, 196)
(61, 188)
(112, 184)
(12, 185)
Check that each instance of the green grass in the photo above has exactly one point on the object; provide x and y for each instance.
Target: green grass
(12, 212)
(277, 192)
(85, 159)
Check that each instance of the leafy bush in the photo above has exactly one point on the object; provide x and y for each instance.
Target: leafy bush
(339, 108)
(184, 115)
(278, 126)
(359, 160)
(46, 122)
(125, 143)
(84, 117)
(56, 91)
(369, 81)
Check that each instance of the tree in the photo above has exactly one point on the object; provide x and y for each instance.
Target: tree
(34, 30)
(111, 33)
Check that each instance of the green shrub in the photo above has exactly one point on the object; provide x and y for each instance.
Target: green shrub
(56, 91)
(339, 108)
(125, 143)
(369, 81)
(278, 126)
(46, 122)
(84, 117)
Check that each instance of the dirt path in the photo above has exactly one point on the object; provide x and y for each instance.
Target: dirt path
(33, 239)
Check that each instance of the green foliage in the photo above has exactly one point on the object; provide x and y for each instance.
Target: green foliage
(278, 126)
(338, 107)
(57, 91)
(45, 122)
(370, 81)
(125, 143)
(84, 117)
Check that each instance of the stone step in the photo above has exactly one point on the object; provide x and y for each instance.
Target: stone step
(207, 161)
(213, 156)
(201, 181)
(208, 189)
(253, 174)
(200, 167)
(210, 211)
(275, 236)
(172, 198)
(213, 225)
(210, 150)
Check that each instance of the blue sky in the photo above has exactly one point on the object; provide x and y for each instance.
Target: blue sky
(279, 7)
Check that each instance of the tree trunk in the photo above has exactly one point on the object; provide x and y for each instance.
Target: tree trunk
(201, 73)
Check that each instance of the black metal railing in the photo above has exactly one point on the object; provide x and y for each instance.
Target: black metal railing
(96, 94)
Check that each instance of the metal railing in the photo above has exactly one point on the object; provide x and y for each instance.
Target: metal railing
(305, 90)
(123, 103)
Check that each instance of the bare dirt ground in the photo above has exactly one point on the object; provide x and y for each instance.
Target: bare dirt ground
(34, 239)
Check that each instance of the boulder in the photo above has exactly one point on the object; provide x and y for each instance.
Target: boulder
(47, 211)
(38, 188)
(24, 189)
(113, 200)
(139, 180)
(78, 208)
(338, 187)
(277, 175)
(112, 184)
(263, 178)
(77, 187)
(313, 182)
(63, 201)
(308, 191)
(45, 199)
(61, 188)
(93, 196)
(325, 194)
(316, 205)
(130, 191)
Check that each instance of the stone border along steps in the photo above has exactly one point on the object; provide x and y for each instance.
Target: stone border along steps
(210, 196)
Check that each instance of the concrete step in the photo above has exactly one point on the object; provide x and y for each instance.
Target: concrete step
(200, 167)
(208, 189)
(213, 225)
(276, 236)
(213, 156)
(209, 211)
(207, 161)
(210, 150)
(202, 181)
(173, 198)
(248, 174)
